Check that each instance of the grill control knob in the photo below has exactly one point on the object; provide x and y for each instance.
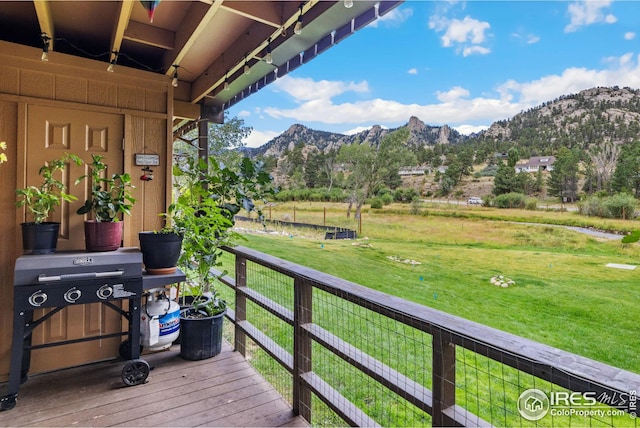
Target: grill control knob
(72, 294)
(104, 292)
(37, 298)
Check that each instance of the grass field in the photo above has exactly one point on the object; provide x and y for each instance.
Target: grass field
(564, 296)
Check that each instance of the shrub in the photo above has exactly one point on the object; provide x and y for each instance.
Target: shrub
(621, 205)
(376, 203)
(592, 206)
(510, 200)
(387, 198)
(531, 204)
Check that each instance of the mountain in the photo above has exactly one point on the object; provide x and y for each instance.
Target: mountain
(576, 120)
(419, 134)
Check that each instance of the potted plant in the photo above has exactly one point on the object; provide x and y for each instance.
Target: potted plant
(41, 236)
(161, 249)
(209, 195)
(110, 197)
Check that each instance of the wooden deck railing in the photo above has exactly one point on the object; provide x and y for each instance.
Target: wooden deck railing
(398, 361)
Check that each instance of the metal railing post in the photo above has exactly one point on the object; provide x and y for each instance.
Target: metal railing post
(240, 340)
(444, 378)
(303, 293)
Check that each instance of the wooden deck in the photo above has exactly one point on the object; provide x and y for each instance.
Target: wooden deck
(221, 391)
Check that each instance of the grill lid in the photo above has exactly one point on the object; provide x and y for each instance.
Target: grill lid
(76, 265)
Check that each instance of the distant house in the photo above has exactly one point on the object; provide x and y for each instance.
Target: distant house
(536, 163)
(413, 170)
(443, 168)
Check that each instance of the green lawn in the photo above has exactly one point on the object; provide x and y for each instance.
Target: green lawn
(564, 296)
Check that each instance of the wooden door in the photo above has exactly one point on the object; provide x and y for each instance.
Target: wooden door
(51, 132)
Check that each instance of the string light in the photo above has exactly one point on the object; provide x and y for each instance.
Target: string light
(226, 81)
(112, 63)
(246, 69)
(298, 28)
(268, 57)
(46, 42)
(348, 4)
(174, 81)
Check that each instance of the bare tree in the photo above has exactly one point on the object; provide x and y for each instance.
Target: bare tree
(604, 158)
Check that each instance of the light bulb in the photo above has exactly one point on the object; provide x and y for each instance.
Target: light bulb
(247, 70)
(348, 4)
(226, 84)
(298, 28)
(45, 56)
(113, 61)
(174, 82)
(268, 58)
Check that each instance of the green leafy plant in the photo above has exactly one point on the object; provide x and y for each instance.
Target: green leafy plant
(209, 196)
(41, 201)
(3, 156)
(110, 195)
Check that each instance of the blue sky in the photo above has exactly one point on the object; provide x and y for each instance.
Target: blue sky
(463, 64)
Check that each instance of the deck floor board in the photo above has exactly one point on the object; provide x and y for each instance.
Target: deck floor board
(221, 391)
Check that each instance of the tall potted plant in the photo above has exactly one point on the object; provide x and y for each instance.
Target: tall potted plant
(110, 197)
(40, 236)
(209, 195)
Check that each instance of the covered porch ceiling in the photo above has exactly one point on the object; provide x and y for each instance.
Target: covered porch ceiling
(218, 49)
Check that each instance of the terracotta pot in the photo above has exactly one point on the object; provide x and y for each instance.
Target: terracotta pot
(102, 236)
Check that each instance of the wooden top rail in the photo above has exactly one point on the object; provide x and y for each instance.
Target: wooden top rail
(563, 368)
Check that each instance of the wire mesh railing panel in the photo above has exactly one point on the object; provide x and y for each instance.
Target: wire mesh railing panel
(505, 396)
(389, 362)
(364, 358)
(270, 370)
(271, 284)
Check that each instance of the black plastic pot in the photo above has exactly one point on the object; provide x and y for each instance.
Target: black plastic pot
(160, 251)
(40, 238)
(200, 338)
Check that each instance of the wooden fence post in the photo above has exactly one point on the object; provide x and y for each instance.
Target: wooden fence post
(444, 378)
(240, 341)
(303, 293)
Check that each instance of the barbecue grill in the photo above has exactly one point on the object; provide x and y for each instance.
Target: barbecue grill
(71, 278)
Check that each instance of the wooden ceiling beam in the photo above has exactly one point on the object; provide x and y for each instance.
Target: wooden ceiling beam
(268, 13)
(45, 20)
(150, 35)
(121, 25)
(194, 24)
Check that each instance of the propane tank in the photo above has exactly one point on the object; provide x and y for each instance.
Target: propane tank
(159, 321)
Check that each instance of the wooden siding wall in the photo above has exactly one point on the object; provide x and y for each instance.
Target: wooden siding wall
(145, 101)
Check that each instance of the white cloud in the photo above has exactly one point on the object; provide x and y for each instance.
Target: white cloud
(258, 138)
(465, 35)
(456, 106)
(587, 12)
(305, 89)
(470, 129)
(358, 129)
(529, 39)
(394, 18)
(413, 71)
(623, 71)
(532, 39)
(470, 50)
(244, 113)
(629, 35)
